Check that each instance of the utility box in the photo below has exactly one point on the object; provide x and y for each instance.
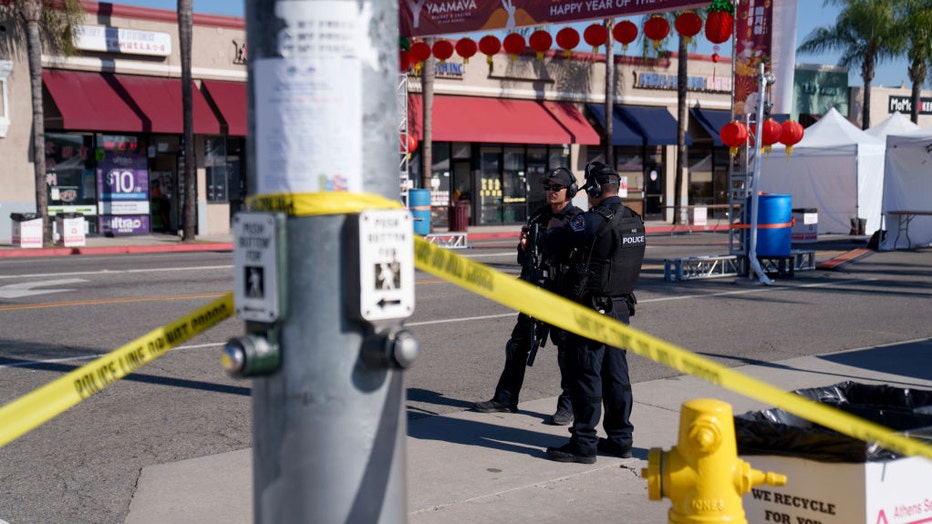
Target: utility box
(833, 478)
(71, 229)
(27, 230)
(805, 225)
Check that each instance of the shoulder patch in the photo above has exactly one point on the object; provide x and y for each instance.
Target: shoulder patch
(578, 223)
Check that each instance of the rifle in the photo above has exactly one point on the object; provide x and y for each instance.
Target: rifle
(537, 275)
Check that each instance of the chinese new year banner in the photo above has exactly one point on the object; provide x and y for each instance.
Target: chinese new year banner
(439, 17)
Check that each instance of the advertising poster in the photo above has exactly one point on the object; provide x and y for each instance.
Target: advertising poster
(752, 47)
(122, 186)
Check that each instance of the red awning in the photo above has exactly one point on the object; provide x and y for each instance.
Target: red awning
(88, 101)
(230, 99)
(493, 120)
(108, 102)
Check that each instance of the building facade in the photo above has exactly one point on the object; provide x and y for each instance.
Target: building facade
(499, 125)
(113, 122)
(114, 132)
(888, 100)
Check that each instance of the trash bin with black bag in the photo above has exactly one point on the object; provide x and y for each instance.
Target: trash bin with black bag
(27, 230)
(834, 478)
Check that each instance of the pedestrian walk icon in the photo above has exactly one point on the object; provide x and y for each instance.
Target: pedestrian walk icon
(255, 282)
(388, 275)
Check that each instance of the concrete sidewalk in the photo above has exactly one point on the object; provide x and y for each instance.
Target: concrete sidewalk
(165, 243)
(471, 468)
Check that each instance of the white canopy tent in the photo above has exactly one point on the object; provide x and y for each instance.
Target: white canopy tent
(907, 186)
(895, 124)
(836, 169)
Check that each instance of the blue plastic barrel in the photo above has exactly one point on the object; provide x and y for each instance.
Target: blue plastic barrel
(774, 221)
(419, 204)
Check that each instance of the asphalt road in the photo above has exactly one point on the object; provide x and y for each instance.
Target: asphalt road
(83, 465)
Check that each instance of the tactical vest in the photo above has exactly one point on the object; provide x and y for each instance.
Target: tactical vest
(614, 260)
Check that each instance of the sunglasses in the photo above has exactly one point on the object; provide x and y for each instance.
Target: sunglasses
(553, 187)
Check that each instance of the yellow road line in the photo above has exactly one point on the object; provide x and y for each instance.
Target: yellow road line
(100, 301)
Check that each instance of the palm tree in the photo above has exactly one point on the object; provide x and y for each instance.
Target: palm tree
(185, 37)
(865, 33)
(428, 73)
(679, 199)
(609, 93)
(47, 24)
(915, 20)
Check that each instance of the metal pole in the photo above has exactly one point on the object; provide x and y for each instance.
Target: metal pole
(753, 263)
(329, 424)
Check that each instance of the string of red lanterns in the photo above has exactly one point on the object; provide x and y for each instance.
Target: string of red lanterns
(718, 29)
(735, 134)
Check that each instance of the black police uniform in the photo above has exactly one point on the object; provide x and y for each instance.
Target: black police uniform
(519, 345)
(612, 240)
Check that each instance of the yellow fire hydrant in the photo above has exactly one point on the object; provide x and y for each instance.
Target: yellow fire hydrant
(702, 475)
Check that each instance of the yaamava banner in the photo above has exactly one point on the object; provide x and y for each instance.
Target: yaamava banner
(439, 17)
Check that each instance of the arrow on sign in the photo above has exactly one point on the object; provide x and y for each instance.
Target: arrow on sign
(26, 288)
(385, 302)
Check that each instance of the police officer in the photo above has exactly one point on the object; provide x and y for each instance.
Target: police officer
(560, 187)
(612, 240)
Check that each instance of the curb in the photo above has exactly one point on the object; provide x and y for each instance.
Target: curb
(115, 250)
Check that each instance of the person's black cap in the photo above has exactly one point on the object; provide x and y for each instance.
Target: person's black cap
(560, 176)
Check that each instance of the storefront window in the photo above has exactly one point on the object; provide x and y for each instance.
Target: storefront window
(514, 186)
(537, 168)
(215, 163)
(490, 186)
(70, 178)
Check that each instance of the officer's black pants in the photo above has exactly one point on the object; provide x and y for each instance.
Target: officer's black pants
(599, 376)
(516, 353)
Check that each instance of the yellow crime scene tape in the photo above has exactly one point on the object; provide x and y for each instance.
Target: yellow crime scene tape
(28, 412)
(38, 407)
(550, 308)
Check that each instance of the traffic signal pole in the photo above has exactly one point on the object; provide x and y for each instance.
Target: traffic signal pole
(322, 285)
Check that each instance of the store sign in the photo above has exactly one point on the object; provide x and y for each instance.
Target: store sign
(105, 39)
(650, 80)
(124, 225)
(904, 104)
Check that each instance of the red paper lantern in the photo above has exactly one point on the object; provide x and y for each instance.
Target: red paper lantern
(466, 48)
(540, 41)
(567, 39)
(790, 135)
(770, 134)
(772, 131)
(719, 26)
(489, 45)
(514, 45)
(715, 58)
(656, 28)
(625, 32)
(412, 143)
(595, 35)
(688, 24)
(404, 60)
(734, 135)
(443, 49)
(420, 52)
